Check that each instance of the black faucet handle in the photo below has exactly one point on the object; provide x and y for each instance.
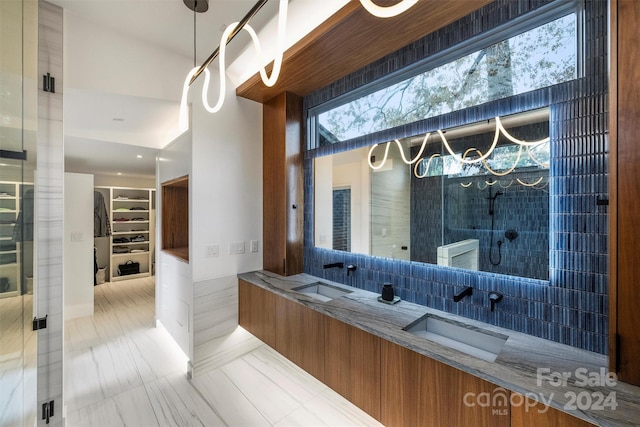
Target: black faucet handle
(494, 298)
(350, 268)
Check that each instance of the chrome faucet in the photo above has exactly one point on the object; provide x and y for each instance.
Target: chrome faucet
(468, 291)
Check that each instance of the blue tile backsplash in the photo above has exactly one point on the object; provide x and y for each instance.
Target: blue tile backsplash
(570, 307)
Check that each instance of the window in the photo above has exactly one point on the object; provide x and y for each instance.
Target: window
(533, 59)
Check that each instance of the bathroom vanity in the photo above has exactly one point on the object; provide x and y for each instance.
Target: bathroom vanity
(370, 353)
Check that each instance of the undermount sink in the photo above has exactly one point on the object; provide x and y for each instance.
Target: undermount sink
(483, 344)
(322, 291)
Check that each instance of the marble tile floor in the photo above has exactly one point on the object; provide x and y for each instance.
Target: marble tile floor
(17, 361)
(122, 371)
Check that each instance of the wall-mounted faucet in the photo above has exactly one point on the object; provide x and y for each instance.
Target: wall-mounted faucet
(468, 291)
(495, 298)
(334, 265)
(351, 268)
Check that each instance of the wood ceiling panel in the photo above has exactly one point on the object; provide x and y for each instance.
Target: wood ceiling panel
(352, 39)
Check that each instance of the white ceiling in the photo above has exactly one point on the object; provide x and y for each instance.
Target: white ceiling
(105, 131)
(109, 158)
(169, 23)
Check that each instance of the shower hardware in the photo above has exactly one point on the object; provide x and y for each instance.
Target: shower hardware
(492, 200)
(510, 235)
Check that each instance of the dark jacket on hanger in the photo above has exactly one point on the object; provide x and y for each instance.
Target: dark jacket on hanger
(101, 227)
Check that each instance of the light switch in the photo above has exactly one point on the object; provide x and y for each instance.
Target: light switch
(213, 250)
(236, 248)
(254, 246)
(77, 236)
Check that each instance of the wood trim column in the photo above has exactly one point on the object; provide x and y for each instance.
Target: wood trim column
(624, 274)
(283, 184)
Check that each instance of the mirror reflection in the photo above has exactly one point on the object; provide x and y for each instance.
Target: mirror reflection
(473, 197)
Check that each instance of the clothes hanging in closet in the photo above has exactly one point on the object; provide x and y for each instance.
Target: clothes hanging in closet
(101, 227)
(23, 230)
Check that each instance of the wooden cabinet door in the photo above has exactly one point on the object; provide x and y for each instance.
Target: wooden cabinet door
(300, 336)
(419, 391)
(257, 310)
(352, 365)
(536, 414)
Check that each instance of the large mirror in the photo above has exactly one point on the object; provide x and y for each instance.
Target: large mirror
(473, 197)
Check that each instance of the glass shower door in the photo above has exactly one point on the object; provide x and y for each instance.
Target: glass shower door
(18, 118)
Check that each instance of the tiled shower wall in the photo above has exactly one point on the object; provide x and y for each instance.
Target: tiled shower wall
(571, 307)
(465, 214)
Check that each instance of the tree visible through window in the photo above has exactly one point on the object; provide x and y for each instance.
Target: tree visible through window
(541, 57)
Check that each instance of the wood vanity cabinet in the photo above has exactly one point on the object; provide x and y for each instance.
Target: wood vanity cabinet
(282, 202)
(419, 391)
(393, 384)
(257, 312)
(300, 336)
(352, 365)
(536, 414)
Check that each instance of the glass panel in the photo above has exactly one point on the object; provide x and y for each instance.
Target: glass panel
(18, 100)
(541, 57)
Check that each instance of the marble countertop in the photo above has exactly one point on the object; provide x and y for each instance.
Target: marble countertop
(528, 365)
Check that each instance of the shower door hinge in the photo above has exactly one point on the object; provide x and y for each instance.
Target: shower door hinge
(49, 83)
(40, 322)
(47, 410)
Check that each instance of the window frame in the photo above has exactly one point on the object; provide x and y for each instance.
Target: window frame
(522, 24)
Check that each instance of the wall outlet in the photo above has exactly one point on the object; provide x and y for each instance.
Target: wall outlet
(213, 250)
(236, 248)
(254, 246)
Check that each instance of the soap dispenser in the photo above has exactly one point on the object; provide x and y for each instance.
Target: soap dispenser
(387, 292)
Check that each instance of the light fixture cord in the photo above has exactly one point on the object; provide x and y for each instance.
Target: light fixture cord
(195, 7)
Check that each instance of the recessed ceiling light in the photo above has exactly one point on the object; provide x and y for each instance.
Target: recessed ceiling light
(119, 173)
(139, 156)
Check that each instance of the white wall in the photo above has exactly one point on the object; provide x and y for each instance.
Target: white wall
(347, 169)
(120, 181)
(227, 208)
(227, 184)
(174, 284)
(391, 208)
(78, 245)
(354, 172)
(100, 60)
(323, 202)
(198, 302)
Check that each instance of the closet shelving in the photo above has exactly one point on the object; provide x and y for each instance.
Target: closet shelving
(9, 249)
(132, 219)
